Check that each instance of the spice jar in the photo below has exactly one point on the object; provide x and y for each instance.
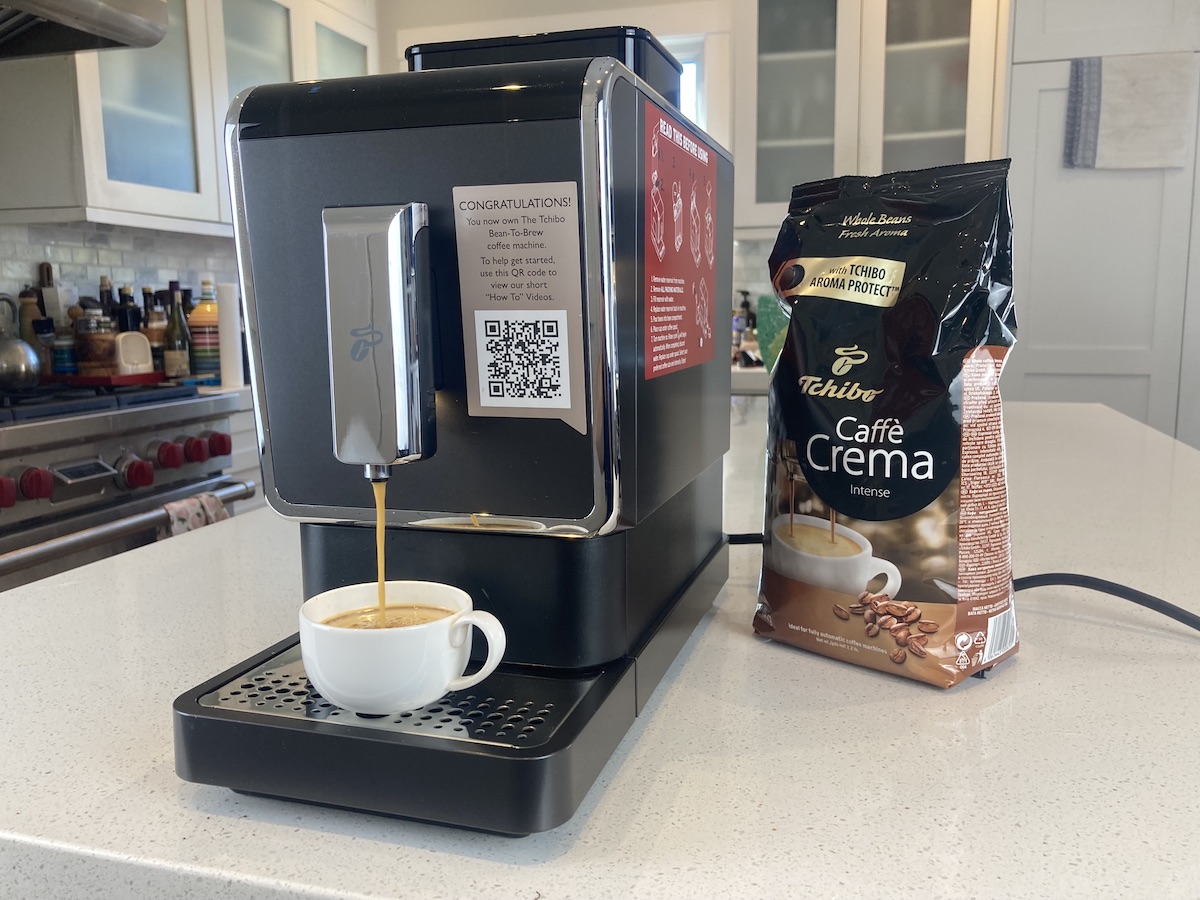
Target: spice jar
(43, 331)
(64, 361)
(95, 344)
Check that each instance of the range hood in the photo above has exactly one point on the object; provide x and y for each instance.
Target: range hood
(39, 27)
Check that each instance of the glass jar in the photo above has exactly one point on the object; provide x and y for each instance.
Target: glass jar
(95, 344)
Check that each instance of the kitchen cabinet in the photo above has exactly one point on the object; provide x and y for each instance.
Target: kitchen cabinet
(833, 87)
(1108, 289)
(123, 136)
(269, 41)
(134, 137)
(1046, 30)
(1104, 268)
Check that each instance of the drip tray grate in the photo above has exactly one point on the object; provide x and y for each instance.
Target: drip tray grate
(504, 709)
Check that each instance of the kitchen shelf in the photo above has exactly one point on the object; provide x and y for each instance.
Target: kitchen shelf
(775, 143)
(945, 134)
(925, 46)
(798, 55)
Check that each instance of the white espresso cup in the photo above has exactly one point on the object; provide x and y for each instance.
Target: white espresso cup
(390, 670)
(847, 574)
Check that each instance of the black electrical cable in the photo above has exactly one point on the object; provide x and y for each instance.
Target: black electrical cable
(1190, 619)
(1067, 579)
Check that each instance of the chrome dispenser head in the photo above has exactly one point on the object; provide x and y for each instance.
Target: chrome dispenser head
(377, 303)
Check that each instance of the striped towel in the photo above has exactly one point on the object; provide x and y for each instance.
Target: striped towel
(192, 513)
(1132, 112)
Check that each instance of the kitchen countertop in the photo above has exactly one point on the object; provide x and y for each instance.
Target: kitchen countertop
(757, 770)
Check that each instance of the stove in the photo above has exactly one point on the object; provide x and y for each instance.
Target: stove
(78, 458)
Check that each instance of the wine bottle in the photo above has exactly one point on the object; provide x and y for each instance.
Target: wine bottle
(177, 342)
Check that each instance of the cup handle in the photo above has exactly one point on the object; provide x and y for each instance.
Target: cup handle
(885, 568)
(496, 641)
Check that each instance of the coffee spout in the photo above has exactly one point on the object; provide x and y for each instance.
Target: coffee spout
(380, 335)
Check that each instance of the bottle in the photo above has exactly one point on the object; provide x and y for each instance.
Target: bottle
(129, 314)
(177, 342)
(186, 294)
(43, 329)
(147, 301)
(108, 302)
(154, 328)
(28, 313)
(206, 338)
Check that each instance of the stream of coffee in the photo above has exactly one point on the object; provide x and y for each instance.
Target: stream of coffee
(380, 488)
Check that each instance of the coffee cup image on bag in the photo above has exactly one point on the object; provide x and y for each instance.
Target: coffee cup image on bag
(800, 548)
(419, 656)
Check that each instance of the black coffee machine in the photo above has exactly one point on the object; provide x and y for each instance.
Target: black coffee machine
(497, 287)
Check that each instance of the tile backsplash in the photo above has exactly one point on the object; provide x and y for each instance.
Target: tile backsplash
(82, 252)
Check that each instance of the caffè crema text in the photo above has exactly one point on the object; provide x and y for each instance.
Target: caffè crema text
(854, 450)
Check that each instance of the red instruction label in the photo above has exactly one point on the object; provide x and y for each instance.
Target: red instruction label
(680, 252)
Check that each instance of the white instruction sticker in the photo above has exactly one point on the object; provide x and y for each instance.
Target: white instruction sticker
(522, 300)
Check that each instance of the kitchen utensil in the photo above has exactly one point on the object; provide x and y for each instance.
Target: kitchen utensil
(19, 363)
(133, 353)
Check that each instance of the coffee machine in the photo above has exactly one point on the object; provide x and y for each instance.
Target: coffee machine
(496, 286)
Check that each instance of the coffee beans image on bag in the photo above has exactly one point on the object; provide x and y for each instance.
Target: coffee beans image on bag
(898, 618)
(886, 536)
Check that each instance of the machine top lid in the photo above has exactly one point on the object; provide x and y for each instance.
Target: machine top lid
(525, 91)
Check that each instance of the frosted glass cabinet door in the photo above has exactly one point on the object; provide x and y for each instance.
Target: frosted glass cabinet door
(925, 83)
(149, 118)
(796, 85)
(338, 56)
(258, 44)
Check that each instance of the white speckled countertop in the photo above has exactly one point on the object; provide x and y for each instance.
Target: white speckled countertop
(757, 770)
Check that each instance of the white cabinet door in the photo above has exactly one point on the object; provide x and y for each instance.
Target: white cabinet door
(146, 123)
(251, 42)
(927, 83)
(340, 45)
(837, 87)
(1101, 264)
(796, 100)
(1065, 29)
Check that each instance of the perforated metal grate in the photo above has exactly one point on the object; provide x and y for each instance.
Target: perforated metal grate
(506, 709)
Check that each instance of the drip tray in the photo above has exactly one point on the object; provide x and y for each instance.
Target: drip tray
(505, 710)
(515, 754)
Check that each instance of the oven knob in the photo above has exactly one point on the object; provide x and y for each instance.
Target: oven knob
(220, 443)
(37, 484)
(195, 449)
(136, 473)
(8, 492)
(167, 454)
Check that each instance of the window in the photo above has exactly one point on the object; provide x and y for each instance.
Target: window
(689, 50)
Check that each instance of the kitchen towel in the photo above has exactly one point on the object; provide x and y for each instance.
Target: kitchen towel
(1131, 112)
(229, 324)
(192, 513)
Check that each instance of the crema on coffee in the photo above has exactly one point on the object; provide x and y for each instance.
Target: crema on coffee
(885, 421)
(392, 616)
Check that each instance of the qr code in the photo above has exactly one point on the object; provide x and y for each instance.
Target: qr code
(523, 358)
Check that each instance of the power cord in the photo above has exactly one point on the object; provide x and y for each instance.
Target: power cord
(1068, 579)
